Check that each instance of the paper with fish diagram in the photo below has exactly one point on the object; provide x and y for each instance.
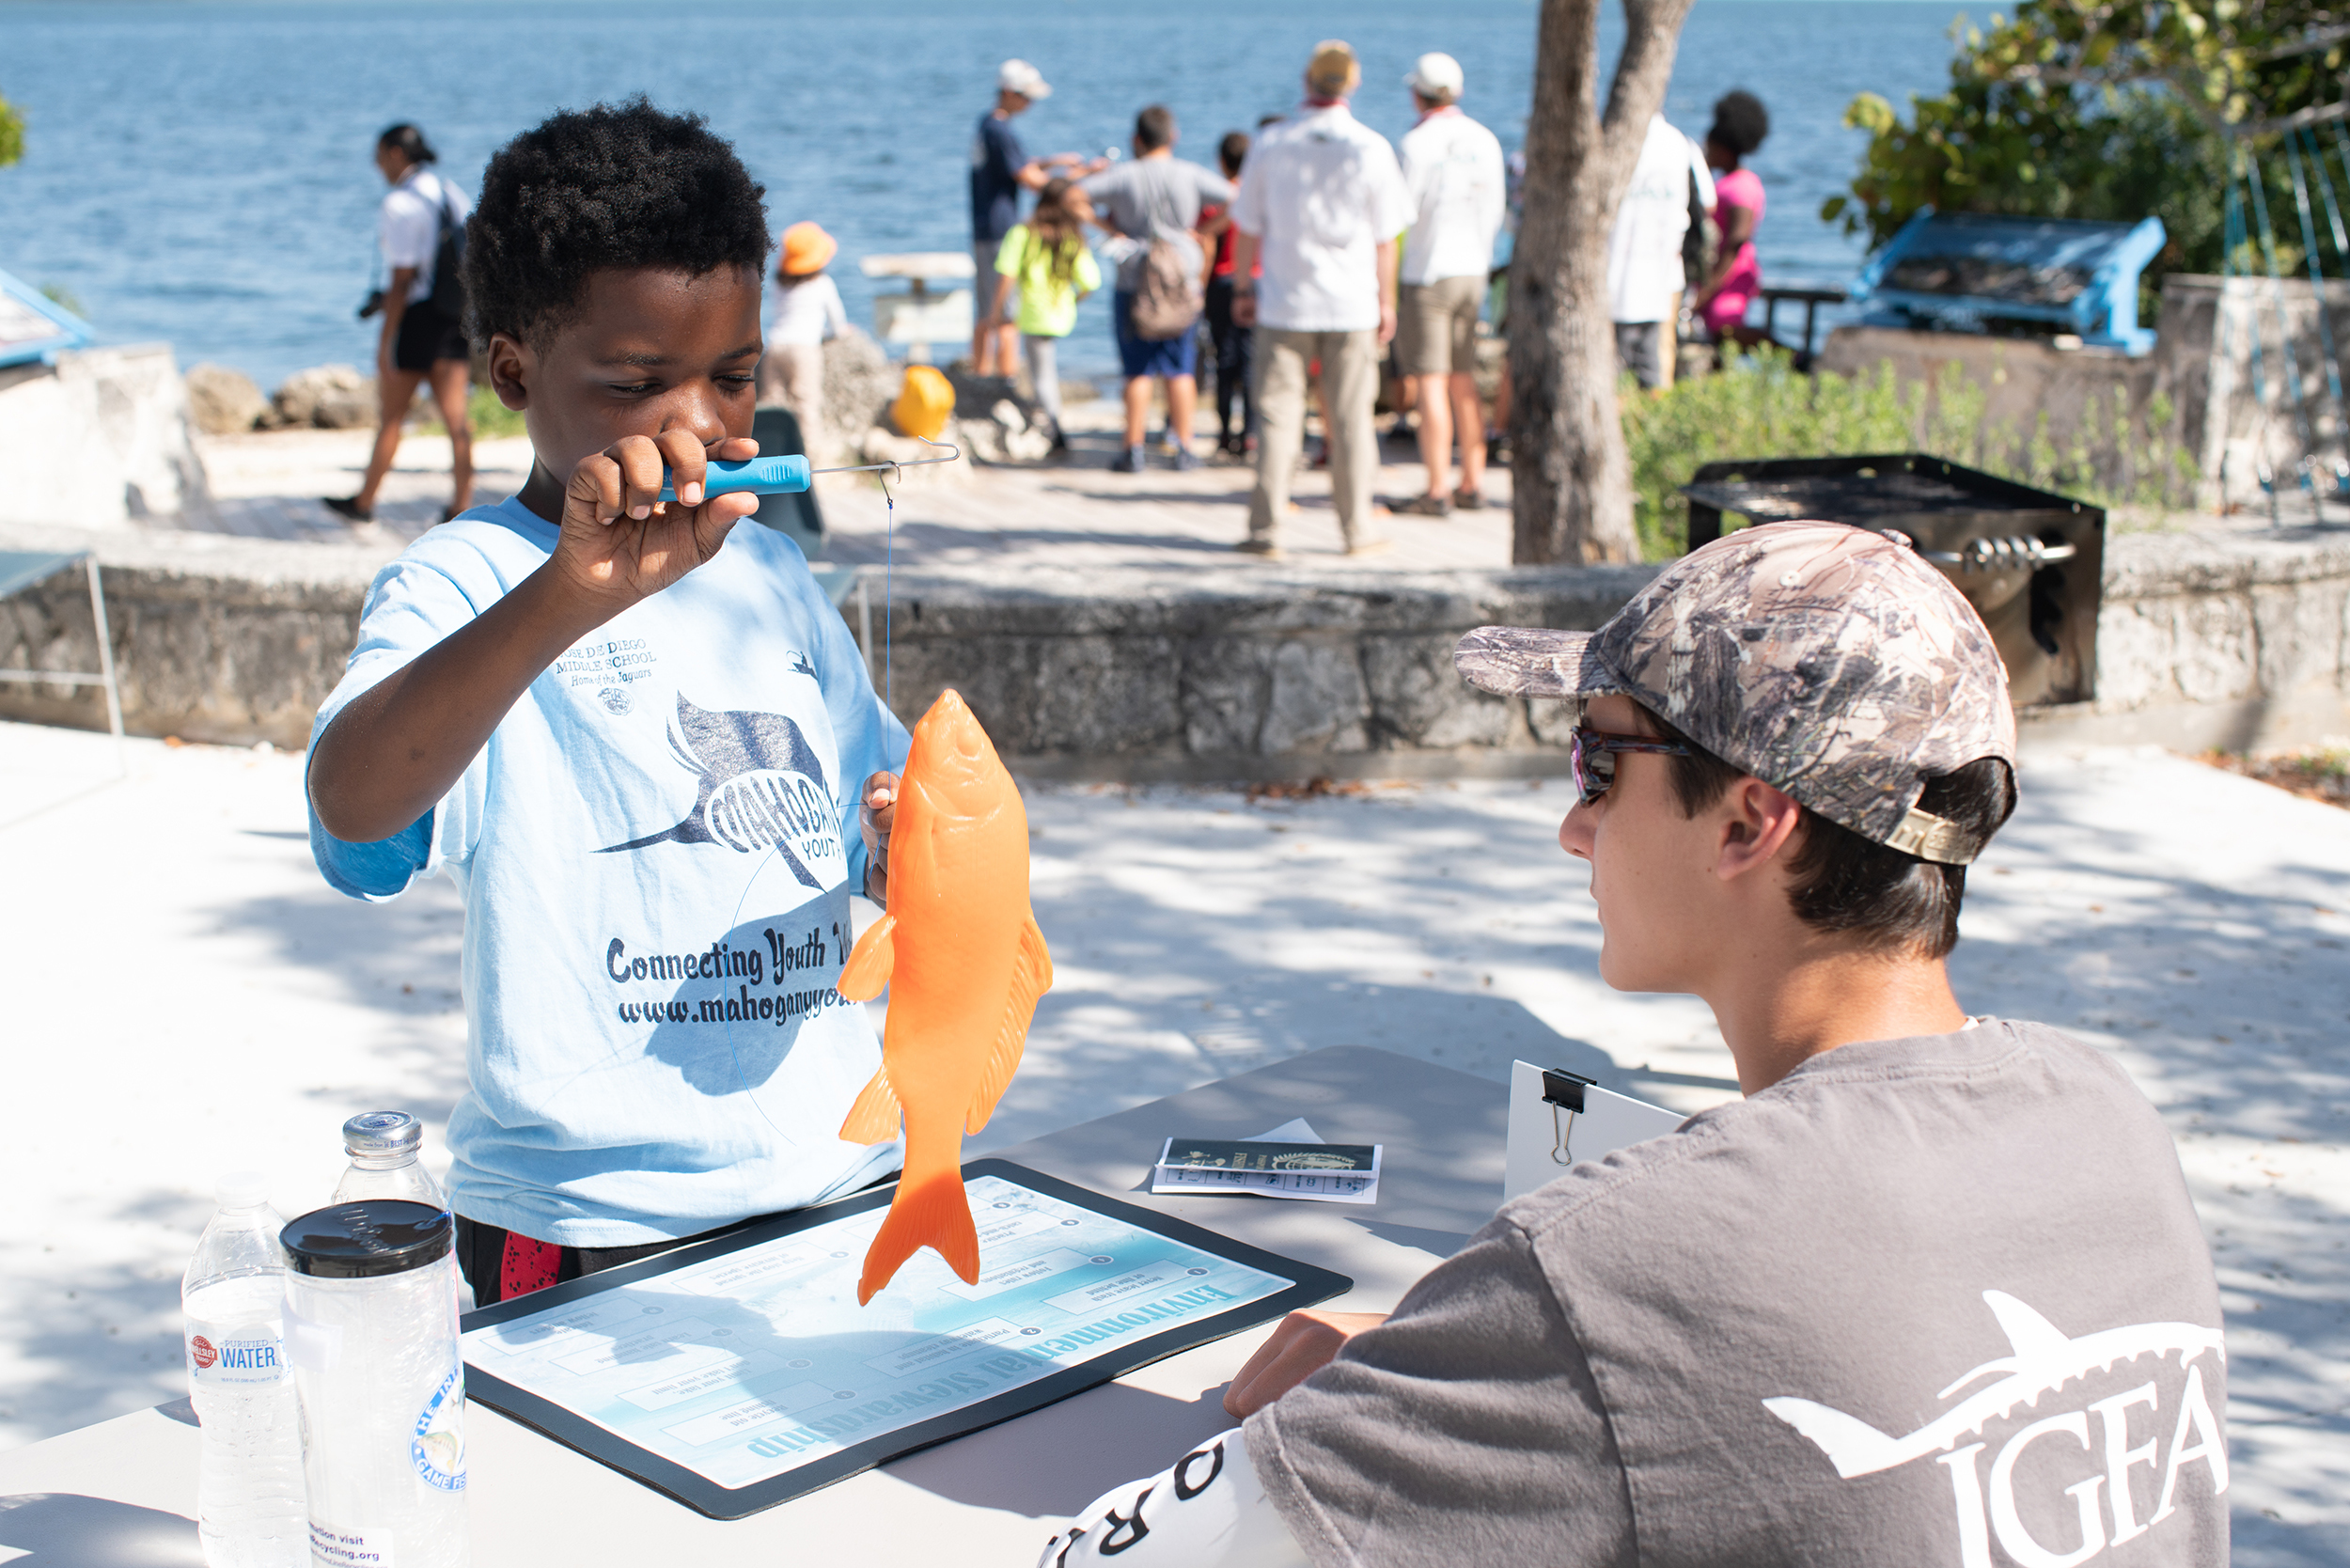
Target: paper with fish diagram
(740, 1373)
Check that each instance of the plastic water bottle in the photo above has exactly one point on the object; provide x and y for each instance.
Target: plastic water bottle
(383, 1148)
(371, 1329)
(249, 1487)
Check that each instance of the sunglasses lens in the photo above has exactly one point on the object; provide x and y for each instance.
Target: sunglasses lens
(1594, 768)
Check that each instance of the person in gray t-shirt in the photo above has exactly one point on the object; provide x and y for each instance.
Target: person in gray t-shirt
(1157, 196)
(1933, 1293)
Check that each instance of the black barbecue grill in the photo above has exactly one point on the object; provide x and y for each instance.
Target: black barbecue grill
(2030, 561)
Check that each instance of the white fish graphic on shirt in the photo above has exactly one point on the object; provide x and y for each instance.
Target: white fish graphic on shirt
(2045, 1360)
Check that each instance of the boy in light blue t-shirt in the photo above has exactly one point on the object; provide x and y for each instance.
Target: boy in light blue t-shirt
(634, 735)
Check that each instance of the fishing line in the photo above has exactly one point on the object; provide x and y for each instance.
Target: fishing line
(889, 552)
(889, 600)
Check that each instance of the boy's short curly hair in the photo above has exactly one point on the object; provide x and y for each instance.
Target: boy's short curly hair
(618, 185)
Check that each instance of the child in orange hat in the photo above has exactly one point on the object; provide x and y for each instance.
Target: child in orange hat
(802, 309)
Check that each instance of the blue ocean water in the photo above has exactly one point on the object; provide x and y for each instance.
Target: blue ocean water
(200, 171)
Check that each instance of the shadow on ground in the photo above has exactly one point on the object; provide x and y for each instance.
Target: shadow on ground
(65, 1530)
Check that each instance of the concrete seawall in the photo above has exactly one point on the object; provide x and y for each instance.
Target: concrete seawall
(2223, 636)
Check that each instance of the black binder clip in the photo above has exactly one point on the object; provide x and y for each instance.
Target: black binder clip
(1563, 1090)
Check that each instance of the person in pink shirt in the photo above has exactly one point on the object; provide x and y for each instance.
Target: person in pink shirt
(1740, 123)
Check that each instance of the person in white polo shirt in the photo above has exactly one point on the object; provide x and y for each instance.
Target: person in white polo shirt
(1645, 275)
(1320, 199)
(1452, 167)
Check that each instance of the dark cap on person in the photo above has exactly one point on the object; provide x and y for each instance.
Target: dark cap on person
(1828, 661)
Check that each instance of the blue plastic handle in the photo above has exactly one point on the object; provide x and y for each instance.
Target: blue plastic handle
(766, 476)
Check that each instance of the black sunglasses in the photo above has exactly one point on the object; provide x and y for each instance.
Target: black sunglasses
(1590, 755)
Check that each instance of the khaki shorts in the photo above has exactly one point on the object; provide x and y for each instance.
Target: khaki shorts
(1435, 326)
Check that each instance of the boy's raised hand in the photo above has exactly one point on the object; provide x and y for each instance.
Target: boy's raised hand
(620, 542)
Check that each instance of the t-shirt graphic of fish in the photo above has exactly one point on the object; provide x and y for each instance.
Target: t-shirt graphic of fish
(760, 782)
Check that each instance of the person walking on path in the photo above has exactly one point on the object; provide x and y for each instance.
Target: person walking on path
(803, 308)
(1154, 203)
(1452, 167)
(1645, 270)
(1740, 123)
(1000, 170)
(421, 231)
(1231, 342)
(1045, 259)
(1320, 201)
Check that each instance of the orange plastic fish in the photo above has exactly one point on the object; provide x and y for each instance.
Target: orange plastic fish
(965, 964)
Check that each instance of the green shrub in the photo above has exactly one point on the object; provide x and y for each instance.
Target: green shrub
(1760, 406)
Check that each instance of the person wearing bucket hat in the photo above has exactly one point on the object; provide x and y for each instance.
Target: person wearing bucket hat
(1933, 1287)
(803, 308)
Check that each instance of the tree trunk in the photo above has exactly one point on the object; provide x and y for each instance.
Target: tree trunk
(1570, 475)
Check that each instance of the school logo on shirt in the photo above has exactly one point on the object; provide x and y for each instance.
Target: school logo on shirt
(607, 668)
(762, 787)
(2057, 1453)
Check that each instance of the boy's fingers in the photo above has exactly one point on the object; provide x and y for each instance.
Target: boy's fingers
(712, 523)
(640, 473)
(597, 483)
(735, 449)
(688, 461)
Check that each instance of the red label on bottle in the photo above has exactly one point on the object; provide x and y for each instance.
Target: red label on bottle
(201, 1348)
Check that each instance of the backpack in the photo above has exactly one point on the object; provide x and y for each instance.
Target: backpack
(1171, 292)
(1699, 242)
(448, 264)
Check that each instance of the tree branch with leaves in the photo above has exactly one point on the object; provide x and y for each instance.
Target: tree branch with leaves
(2107, 111)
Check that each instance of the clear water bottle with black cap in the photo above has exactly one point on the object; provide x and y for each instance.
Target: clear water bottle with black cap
(371, 1330)
(382, 1147)
(248, 1490)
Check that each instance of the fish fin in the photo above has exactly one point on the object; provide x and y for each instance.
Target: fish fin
(1851, 1444)
(1032, 977)
(875, 1117)
(2026, 1329)
(929, 1211)
(869, 963)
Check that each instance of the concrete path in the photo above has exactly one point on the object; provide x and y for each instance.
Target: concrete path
(190, 996)
(1072, 513)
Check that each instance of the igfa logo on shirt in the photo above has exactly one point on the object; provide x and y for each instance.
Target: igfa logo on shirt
(2099, 1478)
(761, 787)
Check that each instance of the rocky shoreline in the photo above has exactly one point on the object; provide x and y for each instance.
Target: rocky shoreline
(997, 419)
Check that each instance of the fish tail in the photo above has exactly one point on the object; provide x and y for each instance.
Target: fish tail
(929, 1211)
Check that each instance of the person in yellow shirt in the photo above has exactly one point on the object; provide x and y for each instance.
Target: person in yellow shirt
(1047, 259)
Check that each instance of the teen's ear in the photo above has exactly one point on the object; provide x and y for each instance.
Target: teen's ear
(1758, 821)
(511, 367)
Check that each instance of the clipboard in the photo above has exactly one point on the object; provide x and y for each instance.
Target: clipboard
(730, 1376)
(1558, 1117)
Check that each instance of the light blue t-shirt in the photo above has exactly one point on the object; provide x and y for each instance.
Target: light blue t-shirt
(656, 850)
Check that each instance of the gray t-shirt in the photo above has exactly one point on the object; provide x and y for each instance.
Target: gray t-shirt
(1165, 192)
(1920, 1299)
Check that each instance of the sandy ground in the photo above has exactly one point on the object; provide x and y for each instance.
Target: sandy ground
(190, 996)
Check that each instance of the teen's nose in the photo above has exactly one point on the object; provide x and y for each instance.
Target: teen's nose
(1574, 833)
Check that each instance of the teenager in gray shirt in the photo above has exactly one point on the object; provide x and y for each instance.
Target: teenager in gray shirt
(1932, 1292)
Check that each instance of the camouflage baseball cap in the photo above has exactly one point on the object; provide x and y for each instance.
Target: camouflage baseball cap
(1826, 660)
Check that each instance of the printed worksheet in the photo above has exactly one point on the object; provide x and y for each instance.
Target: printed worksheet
(748, 1366)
